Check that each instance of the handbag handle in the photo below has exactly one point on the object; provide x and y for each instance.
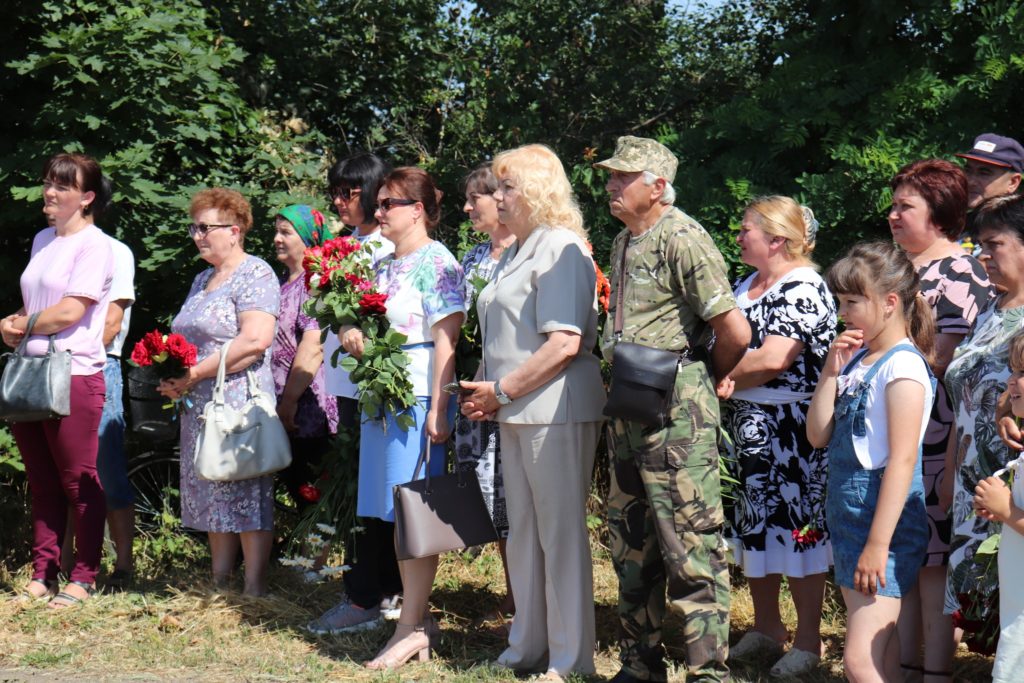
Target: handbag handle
(424, 460)
(20, 350)
(218, 387)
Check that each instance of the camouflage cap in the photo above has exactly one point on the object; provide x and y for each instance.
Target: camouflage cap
(634, 154)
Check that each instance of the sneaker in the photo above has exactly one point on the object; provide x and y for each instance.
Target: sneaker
(391, 607)
(345, 617)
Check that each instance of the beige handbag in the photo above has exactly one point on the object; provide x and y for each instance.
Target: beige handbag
(240, 443)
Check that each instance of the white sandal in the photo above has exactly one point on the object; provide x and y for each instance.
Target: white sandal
(796, 662)
(754, 643)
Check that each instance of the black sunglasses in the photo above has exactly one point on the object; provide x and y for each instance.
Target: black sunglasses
(343, 192)
(386, 205)
(201, 229)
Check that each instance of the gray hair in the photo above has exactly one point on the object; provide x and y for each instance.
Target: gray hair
(668, 195)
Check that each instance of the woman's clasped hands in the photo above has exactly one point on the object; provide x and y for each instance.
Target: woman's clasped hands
(478, 401)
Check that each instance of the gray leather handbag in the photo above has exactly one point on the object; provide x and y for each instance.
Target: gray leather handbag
(436, 514)
(35, 388)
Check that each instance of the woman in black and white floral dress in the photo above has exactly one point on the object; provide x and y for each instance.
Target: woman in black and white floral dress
(477, 444)
(777, 521)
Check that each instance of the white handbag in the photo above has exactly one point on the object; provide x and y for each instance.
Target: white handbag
(240, 443)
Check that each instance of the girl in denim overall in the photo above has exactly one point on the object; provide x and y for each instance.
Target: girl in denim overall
(871, 408)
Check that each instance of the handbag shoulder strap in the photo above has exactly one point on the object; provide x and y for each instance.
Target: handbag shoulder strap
(218, 387)
(617, 329)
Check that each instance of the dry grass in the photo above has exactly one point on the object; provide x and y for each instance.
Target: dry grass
(176, 628)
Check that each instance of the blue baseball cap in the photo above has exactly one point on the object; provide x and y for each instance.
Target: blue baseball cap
(997, 150)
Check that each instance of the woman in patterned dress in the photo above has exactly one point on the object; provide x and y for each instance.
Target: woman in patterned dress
(929, 208)
(477, 444)
(236, 299)
(426, 302)
(308, 411)
(782, 477)
(975, 379)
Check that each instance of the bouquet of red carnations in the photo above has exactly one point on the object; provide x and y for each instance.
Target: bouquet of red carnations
(340, 280)
(169, 355)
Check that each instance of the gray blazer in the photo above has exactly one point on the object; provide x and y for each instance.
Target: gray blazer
(544, 285)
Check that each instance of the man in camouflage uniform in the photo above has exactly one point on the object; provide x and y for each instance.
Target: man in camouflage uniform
(665, 508)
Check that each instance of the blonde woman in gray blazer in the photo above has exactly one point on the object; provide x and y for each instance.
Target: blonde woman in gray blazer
(540, 380)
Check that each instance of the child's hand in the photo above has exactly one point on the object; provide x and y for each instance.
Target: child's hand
(843, 348)
(992, 499)
(870, 572)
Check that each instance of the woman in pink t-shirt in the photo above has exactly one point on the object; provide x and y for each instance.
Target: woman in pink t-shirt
(67, 281)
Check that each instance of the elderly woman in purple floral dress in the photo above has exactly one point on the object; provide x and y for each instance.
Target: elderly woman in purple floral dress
(308, 412)
(236, 299)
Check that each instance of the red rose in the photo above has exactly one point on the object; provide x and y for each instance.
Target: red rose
(309, 493)
(140, 355)
(181, 350)
(373, 304)
(154, 342)
(348, 245)
(358, 283)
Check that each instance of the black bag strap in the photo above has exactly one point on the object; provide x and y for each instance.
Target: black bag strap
(617, 328)
(619, 294)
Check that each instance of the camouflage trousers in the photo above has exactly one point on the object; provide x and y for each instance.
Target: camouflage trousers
(665, 520)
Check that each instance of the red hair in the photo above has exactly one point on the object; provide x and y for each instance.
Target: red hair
(943, 186)
(230, 204)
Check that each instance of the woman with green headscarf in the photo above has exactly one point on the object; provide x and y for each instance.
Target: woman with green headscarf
(308, 412)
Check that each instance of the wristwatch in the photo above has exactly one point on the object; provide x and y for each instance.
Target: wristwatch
(503, 398)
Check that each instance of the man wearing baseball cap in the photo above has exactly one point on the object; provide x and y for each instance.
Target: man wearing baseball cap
(994, 167)
(665, 506)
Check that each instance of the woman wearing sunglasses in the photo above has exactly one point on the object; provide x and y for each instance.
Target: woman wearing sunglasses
(426, 302)
(237, 299)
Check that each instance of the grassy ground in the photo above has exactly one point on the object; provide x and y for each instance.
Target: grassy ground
(174, 627)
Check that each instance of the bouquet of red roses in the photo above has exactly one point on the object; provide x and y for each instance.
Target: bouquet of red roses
(340, 280)
(169, 355)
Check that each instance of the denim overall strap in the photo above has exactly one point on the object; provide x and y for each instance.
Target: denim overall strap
(857, 408)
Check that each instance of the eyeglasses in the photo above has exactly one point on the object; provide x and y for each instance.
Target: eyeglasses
(389, 203)
(343, 192)
(200, 229)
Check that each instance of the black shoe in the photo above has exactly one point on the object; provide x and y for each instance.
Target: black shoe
(625, 676)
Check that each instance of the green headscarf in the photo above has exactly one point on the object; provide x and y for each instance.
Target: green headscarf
(308, 223)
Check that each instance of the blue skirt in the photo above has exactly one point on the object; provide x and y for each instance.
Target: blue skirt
(850, 510)
(388, 457)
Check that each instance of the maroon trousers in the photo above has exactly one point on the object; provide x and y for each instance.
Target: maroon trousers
(60, 461)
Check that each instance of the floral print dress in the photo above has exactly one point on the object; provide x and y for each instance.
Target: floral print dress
(975, 379)
(782, 478)
(957, 289)
(208, 319)
(478, 444)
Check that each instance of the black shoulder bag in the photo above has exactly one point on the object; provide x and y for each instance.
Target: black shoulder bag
(642, 377)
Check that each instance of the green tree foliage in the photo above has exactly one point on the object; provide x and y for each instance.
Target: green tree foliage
(849, 93)
(822, 99)
(143, 86)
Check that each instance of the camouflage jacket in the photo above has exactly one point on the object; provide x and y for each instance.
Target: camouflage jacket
(675, 281)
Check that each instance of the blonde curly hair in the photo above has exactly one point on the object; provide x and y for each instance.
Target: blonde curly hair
(540, 177)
